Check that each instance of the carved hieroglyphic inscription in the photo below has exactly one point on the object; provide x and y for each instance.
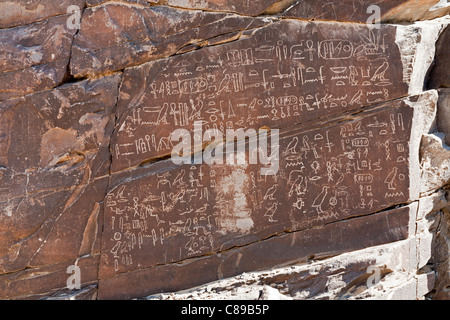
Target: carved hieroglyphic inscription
(288, 73)
(328, 174)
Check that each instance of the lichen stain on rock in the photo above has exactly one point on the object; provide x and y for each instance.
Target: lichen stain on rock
(237, 216)
(11, 10)
(59, 145)
(98, 124)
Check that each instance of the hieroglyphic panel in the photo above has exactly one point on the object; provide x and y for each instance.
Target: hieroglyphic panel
(327, 174)
(288, 73)
(291, 248)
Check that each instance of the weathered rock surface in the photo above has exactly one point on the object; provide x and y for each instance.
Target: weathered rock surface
(241, 7)
(35, 283)
(55, 162)
(380, 272)
(443, 121)
(353, 197)
(318, 172)
(366, 10)
(439, 77)
(132, 35)
(34, 57)
(440, 259)
(23, 12)
(291, 248)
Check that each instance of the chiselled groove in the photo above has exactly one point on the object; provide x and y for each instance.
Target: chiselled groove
(205, 42)
(131, 4)
(78, 191)
(321, 121)
(100, 232)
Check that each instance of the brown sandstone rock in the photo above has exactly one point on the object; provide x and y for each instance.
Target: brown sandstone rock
(53, 178)
(290, 248)
(15, 13)
(117, 35)
(35, 283)
(363, 11)
(241, 7)
(36, 78)
(439, 76)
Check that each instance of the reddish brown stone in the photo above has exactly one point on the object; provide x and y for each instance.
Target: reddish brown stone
(415, 10)
(37, 78)
(253, 8)
(35, 283)
(67, 133)
(83, 175)
(116, 35)
(35, 44)
(15, 13)
(344, 10)
(34, 57)
(76, 231)
(441, 256)
(290, 72)
(361, 10)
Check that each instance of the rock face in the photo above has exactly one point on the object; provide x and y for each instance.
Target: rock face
(34, 57)
(366, 11)
(277, 149)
